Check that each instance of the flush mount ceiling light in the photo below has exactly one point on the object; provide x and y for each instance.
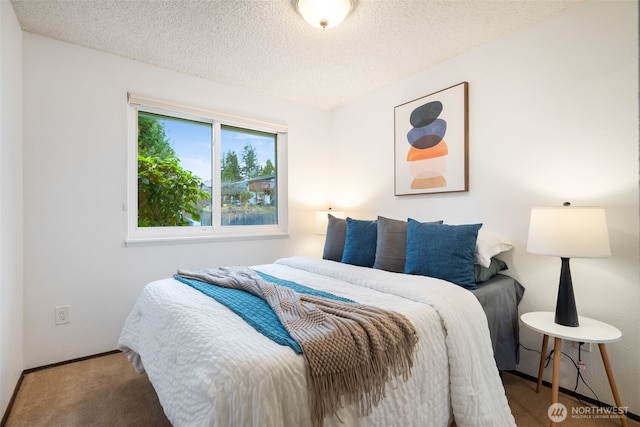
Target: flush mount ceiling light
(324, 13)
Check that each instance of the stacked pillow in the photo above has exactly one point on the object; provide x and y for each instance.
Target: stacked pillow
(360, 242)
(461, 254)
(334, 242)
(391, 244)
(482, 273)
(488, 246)
(442, 251)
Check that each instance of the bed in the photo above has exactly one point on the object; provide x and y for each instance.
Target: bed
(210, 368)
(499, 297)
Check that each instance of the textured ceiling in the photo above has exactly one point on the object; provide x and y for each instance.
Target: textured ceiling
(265, 46)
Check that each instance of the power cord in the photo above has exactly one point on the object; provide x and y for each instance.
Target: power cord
(579, 367)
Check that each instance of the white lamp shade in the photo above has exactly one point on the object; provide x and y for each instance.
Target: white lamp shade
(322, 220)
(324, 13)
(569, 232)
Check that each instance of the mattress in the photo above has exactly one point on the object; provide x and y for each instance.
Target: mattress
(210, 368)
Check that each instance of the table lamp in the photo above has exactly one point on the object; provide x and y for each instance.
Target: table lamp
(322, 218)
(568, 232)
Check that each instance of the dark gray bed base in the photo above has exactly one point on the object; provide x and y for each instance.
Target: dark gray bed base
(499, 297)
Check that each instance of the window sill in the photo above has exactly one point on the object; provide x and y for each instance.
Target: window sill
(179, 240)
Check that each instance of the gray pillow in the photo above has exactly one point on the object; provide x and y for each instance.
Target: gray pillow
(334, 241)
(483, 274)
(391, 245)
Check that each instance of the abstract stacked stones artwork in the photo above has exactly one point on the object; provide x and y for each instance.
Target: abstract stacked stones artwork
(431, 143)
(427, 156)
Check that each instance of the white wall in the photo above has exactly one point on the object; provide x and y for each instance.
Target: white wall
(11, 360)
(553, 113)
(75, 115)
(553, 117)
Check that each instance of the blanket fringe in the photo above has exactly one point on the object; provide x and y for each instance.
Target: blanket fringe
(386, 356)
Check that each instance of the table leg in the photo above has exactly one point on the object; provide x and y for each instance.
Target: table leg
(555, 384)
(612, 381)
(543, 352)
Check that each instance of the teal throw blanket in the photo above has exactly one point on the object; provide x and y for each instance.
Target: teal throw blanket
(256, 311)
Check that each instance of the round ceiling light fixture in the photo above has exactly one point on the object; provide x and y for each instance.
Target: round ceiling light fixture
(324, 13)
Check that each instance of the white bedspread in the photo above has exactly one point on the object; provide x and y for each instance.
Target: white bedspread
(210, 368)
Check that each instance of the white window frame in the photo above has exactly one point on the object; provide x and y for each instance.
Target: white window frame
(137, 236)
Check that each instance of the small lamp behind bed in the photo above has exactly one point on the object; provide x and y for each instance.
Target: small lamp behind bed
(568, 232)
(322, 219)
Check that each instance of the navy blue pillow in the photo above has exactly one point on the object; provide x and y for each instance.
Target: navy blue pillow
(442, 251)
(360, 242)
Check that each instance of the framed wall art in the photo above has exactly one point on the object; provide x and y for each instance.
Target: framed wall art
(432, 143)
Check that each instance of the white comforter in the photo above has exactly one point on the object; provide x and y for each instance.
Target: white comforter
(210, 368)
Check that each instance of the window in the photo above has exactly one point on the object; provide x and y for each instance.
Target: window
(197, 175)
(174, 171)
(248, 177)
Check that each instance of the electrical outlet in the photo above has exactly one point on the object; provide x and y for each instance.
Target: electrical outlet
(585, 346)
(62, 315)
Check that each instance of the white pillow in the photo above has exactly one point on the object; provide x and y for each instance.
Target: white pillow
(489, 245)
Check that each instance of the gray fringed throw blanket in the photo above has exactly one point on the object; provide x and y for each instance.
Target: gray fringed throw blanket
(351, 350)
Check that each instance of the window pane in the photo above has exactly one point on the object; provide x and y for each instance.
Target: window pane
(174, 171)
(248, 177)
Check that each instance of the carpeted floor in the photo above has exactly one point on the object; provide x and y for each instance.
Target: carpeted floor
(106, 391)
(102, 391)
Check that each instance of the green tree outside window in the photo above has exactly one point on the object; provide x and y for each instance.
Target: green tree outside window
(168, 195)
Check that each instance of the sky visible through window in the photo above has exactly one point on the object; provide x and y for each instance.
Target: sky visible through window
(191, 142)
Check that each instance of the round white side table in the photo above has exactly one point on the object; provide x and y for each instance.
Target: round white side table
(590, 330)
